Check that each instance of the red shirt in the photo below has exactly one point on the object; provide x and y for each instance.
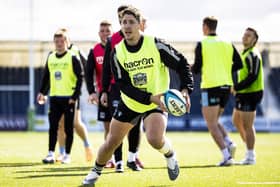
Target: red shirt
(98, 54)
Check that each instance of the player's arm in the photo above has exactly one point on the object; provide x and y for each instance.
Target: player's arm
(123, 80)
(175, 60)
(89, 72)
(197, 66)
(106, 71)
(237, 62)
(78, 71)
(253, 65)
(45, 82)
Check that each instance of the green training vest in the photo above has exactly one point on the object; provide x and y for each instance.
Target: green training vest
(146, 72)
(216, 62)
(258, 84)
(62, 77)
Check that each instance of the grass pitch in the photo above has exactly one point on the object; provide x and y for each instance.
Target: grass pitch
(21, 154)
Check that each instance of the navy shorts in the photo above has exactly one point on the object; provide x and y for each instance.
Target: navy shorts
(248, 102)
(106, 113)
(215, 96)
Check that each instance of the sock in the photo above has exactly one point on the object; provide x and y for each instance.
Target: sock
(251, 153)
(225, 153)
(227, 141)
(86, 143)
(119, 162)
(131, 157)
(62, 150)
(166, 148)
(51, 153)
(98, 168)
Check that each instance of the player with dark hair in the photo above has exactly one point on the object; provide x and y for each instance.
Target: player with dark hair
(93, 73)
(216, 59)
(137, 61)
(249, 93)
(110, 98)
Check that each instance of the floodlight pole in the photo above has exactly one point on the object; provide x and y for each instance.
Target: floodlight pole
(31, 109)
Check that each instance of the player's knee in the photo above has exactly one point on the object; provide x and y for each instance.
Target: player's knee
(155, 142)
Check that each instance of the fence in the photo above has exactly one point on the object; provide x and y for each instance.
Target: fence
(14, 87)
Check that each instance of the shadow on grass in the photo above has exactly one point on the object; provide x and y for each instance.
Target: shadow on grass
(20, 164)
(183, 167)
(58, 175)
(53, 172)
(55, 169)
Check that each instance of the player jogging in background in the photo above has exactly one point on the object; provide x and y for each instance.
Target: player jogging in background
(216, 59)
(94, 68)
(249, 93)
(140, 93)
(63, 76)
(79, 126)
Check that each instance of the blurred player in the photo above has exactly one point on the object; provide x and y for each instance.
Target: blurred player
(249, 93)
(140, 93)
(79, 126)
(216, 59)
(63, 76)
(94, 68)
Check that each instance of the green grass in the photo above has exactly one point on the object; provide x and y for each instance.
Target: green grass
(21, 154)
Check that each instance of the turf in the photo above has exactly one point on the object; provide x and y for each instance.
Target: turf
(21, 154)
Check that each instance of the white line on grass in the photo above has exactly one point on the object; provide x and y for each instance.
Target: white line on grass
(268, 182)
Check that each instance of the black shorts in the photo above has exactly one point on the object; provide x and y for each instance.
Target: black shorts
(248, 101)
(215, 96)
(106, 113)
(124, 114)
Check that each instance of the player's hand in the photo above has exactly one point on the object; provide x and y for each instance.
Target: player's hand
(93, 98)
(232, 91)
(71, 101)
(186, 95)
(41, 99)
(104, 99)
(158, 101)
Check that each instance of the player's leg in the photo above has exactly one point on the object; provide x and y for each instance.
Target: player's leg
(118, 131)
(104, 115)
(134, 135)
(231, 146)
(54, 116)
(118, 159)
(248, 122)
(212, 101)
(155, 126)
(248, 115)
(210, 114)
(69, 130)
(81, 130)
(238, 123)
(240, 101)
(114, 99)
(61, 139)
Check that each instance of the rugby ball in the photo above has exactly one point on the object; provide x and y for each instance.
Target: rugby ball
(174, 102)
